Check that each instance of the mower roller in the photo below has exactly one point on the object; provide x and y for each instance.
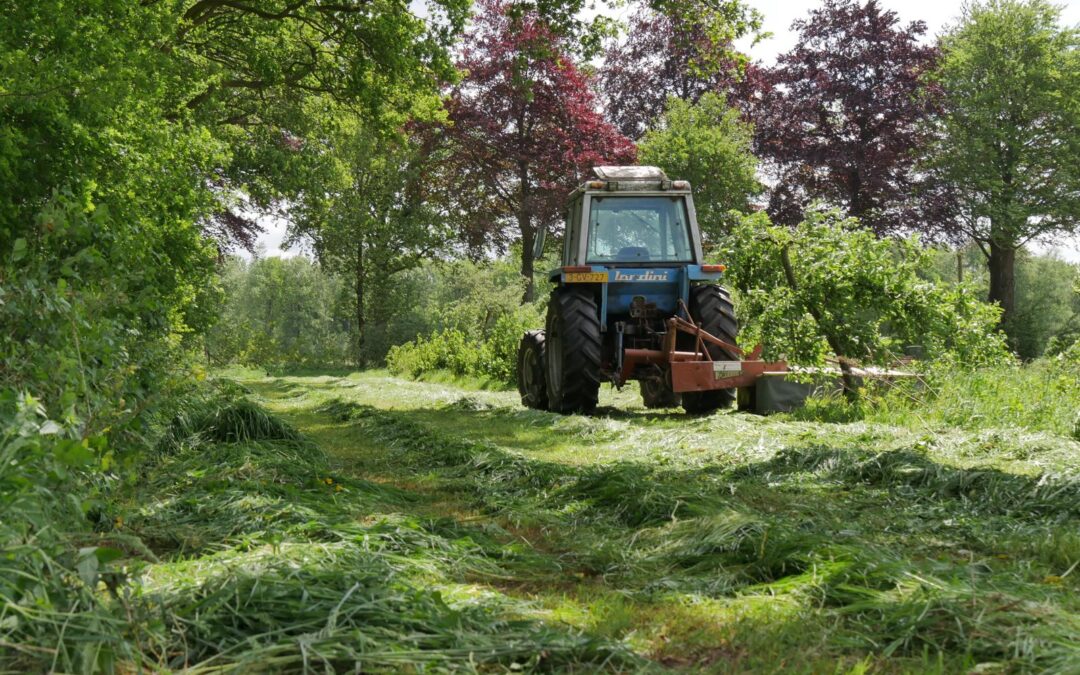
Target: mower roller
(635, 301)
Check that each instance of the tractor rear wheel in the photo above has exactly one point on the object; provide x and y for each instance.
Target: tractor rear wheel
(532, 370)
(573, 351)
(711, 306)
(656, 393)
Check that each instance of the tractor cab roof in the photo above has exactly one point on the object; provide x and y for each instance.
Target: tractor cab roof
(632, 179)
(629, 173)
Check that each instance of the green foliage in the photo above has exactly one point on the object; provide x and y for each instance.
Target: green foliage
(280, 313)
(1006, 142)
(707, 144)
(1011, 78)
(290, 313)
(1047, 314)
(373, 215)
(52, 562)
(97, 303)
(466, 318)
(490, 355)
(828, 287)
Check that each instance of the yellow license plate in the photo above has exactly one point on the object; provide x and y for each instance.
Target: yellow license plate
(585, 277)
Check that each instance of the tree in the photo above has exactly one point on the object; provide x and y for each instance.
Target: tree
(1008, 142)
(266, 77)
(373, 214)
(829, 286)
(525, 127)
(103, 270)
(279, 311)
(254, 78)
(842, 114)
(671, 53)
(707, 144)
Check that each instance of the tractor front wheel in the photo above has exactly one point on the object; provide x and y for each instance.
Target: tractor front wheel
(573, 351)
(711, 306)
(532, 370)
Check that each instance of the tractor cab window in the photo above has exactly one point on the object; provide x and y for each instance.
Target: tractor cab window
(638, 229)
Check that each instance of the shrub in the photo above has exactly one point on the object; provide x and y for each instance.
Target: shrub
(829, 286)
(491, 355)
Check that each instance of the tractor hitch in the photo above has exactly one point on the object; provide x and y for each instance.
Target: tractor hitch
(697, 370)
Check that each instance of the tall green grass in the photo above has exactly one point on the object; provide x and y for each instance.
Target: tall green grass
(1040, 396)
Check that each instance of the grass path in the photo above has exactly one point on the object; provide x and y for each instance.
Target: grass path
(731, 542)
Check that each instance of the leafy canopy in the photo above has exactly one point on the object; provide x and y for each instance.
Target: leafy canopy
(524, 128)
(842, 113)
(681, 53)
(1011, 80)
(709, 145)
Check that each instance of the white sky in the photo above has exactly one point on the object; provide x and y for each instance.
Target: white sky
(778, 16)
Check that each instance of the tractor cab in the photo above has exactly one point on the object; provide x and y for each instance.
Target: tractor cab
(635, 232)
(631, 216)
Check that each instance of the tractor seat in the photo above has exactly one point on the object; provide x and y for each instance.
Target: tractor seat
(632, 253)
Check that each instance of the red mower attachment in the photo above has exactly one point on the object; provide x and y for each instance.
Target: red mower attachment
(696, 370)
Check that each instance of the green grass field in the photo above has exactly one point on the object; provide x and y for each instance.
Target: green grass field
(404, 525)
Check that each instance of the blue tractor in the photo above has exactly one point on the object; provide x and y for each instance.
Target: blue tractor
(635, 301)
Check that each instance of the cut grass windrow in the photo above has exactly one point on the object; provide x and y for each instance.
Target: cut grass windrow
(892, 552)
(441, 532)
(272, 561)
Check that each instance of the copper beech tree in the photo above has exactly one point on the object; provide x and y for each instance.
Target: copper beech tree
(667, 55)
(525, 128)
(842, 114)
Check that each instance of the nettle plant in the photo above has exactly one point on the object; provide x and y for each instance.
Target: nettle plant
(829, 288)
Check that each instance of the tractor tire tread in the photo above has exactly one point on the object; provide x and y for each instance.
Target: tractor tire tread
(538, 399)
(581, 352)
(711, 305)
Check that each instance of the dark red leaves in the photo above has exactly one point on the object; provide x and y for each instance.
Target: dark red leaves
(841, 114)
(524, 118)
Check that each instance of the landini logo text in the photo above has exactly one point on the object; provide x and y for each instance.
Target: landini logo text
(641, 276)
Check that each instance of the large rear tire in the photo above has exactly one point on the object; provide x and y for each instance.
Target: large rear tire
(532, 370)
(711, 306)
(573, 351)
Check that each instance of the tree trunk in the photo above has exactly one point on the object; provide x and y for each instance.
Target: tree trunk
(528, 234)
(359, 289)
(1002, 266)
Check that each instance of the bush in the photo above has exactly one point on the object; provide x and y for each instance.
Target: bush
(491, 354)
(828, 286)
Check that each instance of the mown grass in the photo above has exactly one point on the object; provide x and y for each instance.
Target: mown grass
(273, 559)
(266, 556)
(366, 523)
(737, 542)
